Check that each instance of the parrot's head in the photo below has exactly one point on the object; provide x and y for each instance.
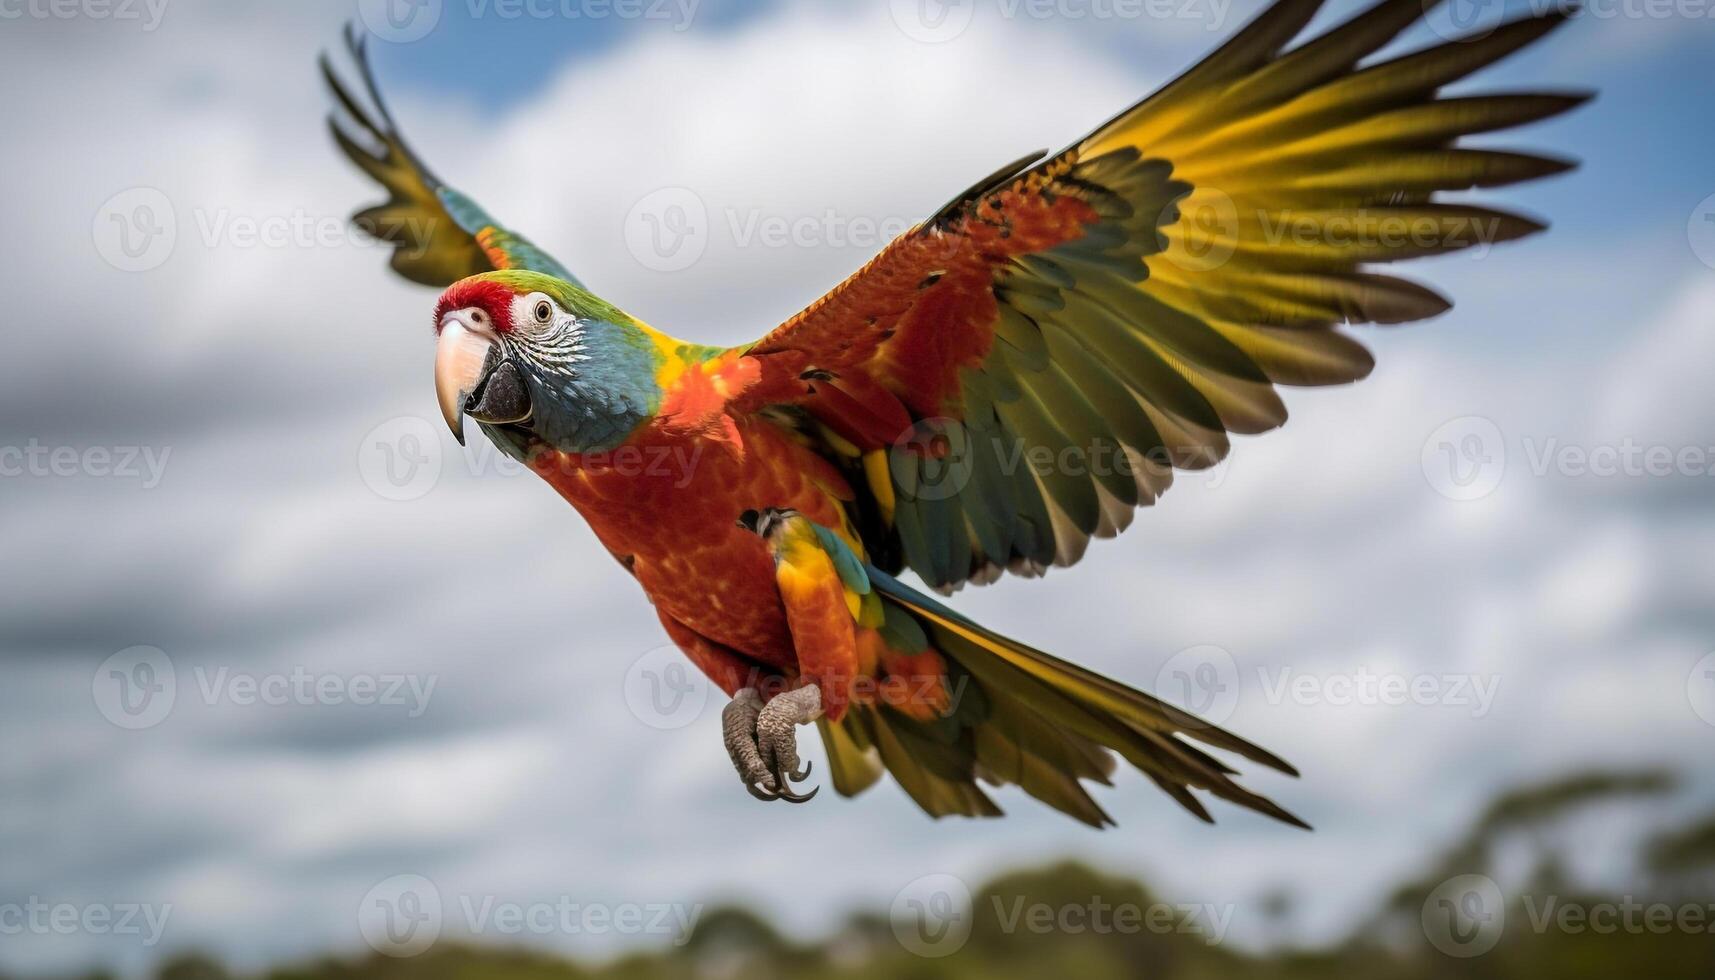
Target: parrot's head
(772, 524)
(528, 355)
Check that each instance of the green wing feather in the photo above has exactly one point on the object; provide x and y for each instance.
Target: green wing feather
(439, 236)
(1232, 228)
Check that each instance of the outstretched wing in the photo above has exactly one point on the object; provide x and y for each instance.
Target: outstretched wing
(1018, 373)
(438, 235)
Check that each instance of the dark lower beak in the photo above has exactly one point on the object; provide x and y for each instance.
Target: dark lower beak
(748, 520)
(501, 397)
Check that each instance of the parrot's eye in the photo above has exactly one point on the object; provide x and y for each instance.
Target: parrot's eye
(544, 311)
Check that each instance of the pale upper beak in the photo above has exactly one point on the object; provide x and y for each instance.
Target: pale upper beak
(472, 377)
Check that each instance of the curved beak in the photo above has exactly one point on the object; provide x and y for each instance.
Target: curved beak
(472, 377)
(763, 522)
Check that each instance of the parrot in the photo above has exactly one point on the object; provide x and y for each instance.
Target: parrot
(1006, 381)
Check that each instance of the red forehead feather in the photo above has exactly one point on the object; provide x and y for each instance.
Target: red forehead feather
(492, 297)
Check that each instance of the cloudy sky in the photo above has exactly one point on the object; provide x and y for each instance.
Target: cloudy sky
(269, 639)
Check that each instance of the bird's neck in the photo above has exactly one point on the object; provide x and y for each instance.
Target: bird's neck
(611, 390)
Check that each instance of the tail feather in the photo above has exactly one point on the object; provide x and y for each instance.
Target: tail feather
(933, 779)
(1184, 798)
(1128, 705)
(1027, 718)
(853, 763)
(1015, 746)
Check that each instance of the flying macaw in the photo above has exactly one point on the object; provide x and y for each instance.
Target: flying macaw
(1131, 298)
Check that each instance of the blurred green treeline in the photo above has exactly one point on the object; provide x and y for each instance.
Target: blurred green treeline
(1659, 925)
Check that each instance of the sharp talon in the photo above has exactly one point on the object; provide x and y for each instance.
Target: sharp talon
(792, 797)
(785, 793)
(801, 774)
(767, 796)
